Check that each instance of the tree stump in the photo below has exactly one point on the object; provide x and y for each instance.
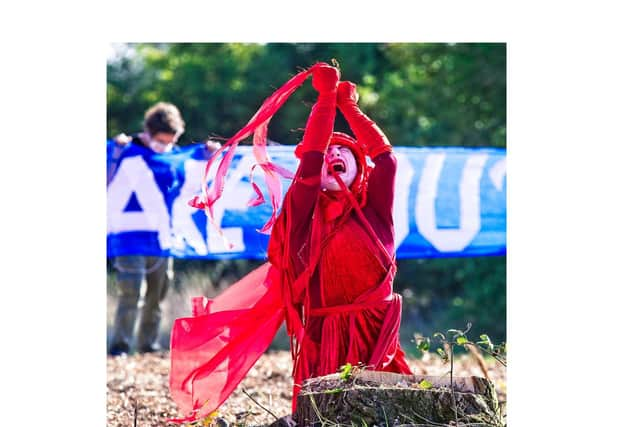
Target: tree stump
(370, 398)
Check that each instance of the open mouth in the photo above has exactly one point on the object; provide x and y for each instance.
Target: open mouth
(338, 166)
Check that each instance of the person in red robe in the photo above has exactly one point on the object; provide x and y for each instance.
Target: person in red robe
(330, 271)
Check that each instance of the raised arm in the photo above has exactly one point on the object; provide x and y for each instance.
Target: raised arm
(303, 193)
(316, 137)
(382, 180)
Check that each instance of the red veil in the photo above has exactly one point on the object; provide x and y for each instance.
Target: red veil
(212, 351)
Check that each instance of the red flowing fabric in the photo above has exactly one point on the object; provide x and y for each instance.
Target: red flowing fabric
(212, 351)
(258, 126)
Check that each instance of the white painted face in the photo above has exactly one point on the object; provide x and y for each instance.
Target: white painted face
(341, 160)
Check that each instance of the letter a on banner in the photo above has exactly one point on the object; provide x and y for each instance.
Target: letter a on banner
(154, 215)
(450, 240)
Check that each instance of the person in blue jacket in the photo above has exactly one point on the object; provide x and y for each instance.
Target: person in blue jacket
(163, 126)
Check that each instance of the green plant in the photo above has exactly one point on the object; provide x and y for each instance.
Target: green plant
(346, 371)
(456, 337)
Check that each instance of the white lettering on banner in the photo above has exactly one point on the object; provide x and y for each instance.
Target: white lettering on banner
(134, 176)
(446, 240)
(235, 197)
(404, 175)
(497, 173)
(185, 231)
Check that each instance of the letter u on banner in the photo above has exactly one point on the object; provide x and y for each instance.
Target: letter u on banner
(450, 240)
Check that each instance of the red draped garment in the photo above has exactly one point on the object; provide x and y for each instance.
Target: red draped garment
(329, 279)
(341, 306)
(329, 275)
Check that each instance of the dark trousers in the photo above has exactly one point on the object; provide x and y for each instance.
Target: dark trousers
(132, 270)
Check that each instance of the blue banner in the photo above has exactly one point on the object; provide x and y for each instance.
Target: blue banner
(448, 202)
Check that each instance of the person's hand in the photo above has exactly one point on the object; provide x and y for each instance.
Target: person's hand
(347, 93)
(122, 139)
(212, 146)
(325, 77)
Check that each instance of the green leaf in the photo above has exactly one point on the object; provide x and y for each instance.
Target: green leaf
(442, 354)
(425, 385)
(424, 344)
(345, 371)
(461, 340)
(486, 341)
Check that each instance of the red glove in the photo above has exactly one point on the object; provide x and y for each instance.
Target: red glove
(325, 77)
(347, 93)
(365, 129)
(323, 113)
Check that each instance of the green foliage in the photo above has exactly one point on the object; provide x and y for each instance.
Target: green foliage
(461, 340)
(425, 385)
(419, 93)
(485, 341)
(456, 337)
(445, 291)
(423, 343)
(446, 94)
(442, 354)
(346, 371)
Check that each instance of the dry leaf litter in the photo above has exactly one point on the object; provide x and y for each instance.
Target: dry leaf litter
(138, 391)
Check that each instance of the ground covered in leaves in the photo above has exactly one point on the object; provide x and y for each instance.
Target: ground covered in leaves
(137, 388)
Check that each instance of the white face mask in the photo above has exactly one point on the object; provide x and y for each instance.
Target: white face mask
(159, 147)
(341, 159)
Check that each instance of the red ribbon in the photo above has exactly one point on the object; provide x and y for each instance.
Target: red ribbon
(257, 126)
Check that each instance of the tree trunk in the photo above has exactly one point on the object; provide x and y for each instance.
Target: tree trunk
(371, 398)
